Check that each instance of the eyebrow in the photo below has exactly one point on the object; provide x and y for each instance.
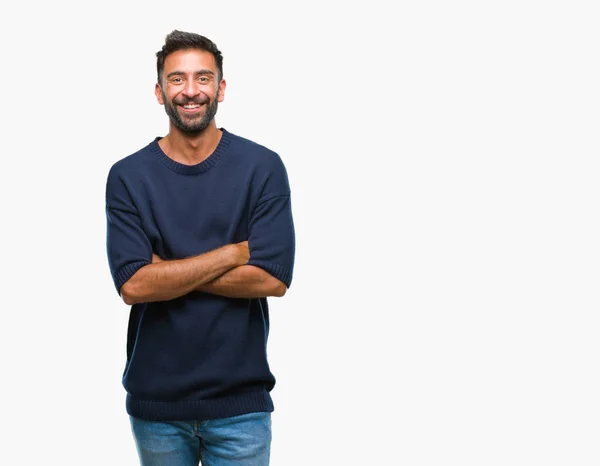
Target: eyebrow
(196, 73)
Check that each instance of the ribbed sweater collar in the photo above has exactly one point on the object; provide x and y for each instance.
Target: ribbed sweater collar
(201, 167)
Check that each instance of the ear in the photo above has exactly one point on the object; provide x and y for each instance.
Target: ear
(222, 86)
(158, 93)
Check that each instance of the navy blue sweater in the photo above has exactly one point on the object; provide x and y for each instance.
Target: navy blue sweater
(200, 356)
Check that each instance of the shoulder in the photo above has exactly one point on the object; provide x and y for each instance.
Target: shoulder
(132, 163)
(254, 152)
(265, 166)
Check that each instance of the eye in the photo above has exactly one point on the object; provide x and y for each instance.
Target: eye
(204, 79)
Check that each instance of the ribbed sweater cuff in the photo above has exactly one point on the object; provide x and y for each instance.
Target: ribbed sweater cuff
(126, 272)
(277, 271)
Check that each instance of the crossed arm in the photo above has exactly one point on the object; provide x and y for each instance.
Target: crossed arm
(223, 271)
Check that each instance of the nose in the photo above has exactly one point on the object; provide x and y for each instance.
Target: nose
(191, 88)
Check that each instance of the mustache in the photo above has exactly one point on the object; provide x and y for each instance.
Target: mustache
(197, 100)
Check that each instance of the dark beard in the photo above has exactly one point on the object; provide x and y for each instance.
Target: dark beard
(193, 125)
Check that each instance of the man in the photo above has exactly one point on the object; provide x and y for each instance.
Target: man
(199, 234)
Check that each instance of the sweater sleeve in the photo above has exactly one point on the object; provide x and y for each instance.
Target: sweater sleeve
(128, 247)
(271, 232)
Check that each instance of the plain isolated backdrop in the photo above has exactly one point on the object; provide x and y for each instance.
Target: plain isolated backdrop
(443, 159)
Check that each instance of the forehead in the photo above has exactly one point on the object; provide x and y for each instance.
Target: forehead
(189, 61)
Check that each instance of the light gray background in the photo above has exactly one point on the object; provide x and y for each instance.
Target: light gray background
(443, 158)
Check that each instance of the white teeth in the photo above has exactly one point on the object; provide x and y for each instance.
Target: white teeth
(191, 106)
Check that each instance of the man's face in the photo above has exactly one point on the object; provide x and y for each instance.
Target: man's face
(190, 89)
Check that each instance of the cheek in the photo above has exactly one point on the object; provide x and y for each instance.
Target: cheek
(169, 98)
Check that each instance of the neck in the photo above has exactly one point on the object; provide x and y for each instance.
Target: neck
(191, 149)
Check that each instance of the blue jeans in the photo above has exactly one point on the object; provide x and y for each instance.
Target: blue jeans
(240, 440)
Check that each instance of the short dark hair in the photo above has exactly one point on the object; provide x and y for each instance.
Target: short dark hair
(180, 40)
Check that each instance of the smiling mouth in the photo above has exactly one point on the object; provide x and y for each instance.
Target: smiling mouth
(191, 107)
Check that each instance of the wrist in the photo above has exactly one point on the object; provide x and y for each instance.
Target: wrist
(235, 256)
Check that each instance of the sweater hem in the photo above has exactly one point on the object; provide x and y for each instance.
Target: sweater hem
(190, 410)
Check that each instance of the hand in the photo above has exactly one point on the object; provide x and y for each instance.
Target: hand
(243, 252)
